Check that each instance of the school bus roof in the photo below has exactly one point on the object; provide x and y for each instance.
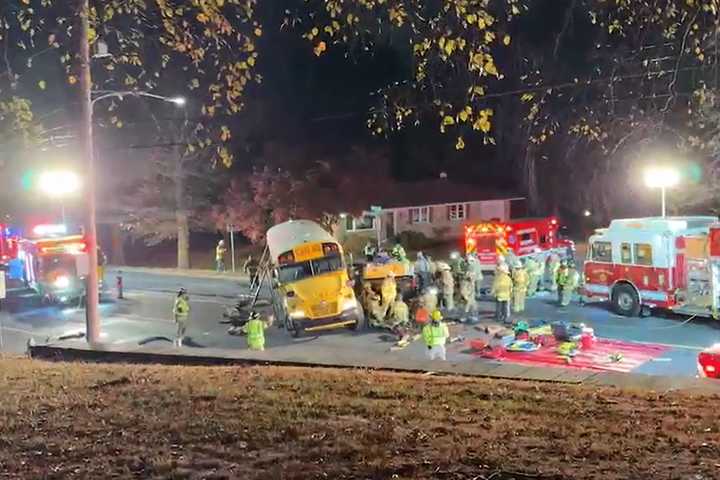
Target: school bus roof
(285, 236)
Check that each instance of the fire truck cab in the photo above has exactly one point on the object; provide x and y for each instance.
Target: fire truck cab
(525, 237)
(642, 263)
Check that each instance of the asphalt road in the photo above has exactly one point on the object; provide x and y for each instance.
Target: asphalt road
(144, 317)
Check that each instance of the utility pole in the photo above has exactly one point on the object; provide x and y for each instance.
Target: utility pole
(92, 314)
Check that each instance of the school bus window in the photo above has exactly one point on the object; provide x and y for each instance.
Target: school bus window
(643, 254)
(625, 253)
(602, 252)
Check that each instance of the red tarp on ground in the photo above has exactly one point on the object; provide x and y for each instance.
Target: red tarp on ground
(595, 358)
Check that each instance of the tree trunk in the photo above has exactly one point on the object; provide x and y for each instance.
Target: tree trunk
(183, 239)
(181, 214)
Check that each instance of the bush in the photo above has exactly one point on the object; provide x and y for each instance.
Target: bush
(415, 240)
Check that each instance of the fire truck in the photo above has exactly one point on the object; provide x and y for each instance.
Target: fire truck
(642, 263)
(56, 267)
(523, 238)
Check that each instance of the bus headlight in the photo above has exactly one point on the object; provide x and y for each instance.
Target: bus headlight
(349, 304)
(61, 282)
(297, 314)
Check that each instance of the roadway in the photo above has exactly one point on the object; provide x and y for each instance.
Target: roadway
(144, 317)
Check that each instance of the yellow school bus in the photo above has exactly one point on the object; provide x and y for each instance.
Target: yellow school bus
(311, 289)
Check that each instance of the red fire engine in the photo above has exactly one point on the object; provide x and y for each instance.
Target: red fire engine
(527, 237)
(671, 263)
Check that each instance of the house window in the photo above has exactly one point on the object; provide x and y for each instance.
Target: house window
(457, 212)
(643, 254)
(602, 252)
(625, 253)
(420, 215)
(366, 222)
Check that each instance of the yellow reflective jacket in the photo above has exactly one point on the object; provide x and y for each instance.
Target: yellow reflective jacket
(502, 287)
(181, 308)
(255, 334)
(435, 334)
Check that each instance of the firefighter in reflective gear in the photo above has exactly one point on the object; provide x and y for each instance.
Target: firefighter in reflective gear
(575, 278)
(433, 269)
(520, 285)
(435, 335)
(181, 314)
(255, 330)
(447, 289)
(220, 252)
(422, 270)
(370, 250)
(388, 292)
(467, 292)
(398, 253)
(475, 269)
(553, 265)
(564, 284)
(533, 269)
(400, 318)
(502, 291)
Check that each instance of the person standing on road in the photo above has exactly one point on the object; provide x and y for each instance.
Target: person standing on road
(467, 292)
(502, 291)
(447, 283)
(255, 330)
(532, 267)
(422, 271)
(475, 269)
(520, 285)
(435, 335)
(181, 314)
(220, 252)
(553, 266)
(564, 284)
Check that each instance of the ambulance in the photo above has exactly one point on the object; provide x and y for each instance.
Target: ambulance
(659, 262)
(523, 238)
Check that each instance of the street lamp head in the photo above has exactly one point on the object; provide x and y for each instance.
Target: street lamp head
(59, 183)
(179, 101)
(661, 177)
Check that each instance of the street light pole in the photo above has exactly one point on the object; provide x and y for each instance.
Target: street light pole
(92, 314)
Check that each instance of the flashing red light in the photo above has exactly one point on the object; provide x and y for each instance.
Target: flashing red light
(471, 241)
(553, 221)
(508, 228)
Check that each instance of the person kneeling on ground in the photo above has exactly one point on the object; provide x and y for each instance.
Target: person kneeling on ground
(435, 335)
(255, 329)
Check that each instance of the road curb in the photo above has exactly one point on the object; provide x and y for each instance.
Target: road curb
(488, 370)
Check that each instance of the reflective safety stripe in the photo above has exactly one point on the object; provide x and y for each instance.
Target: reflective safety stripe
(599, 289)
(650, 295)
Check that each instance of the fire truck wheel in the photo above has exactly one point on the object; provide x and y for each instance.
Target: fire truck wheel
(625, 301)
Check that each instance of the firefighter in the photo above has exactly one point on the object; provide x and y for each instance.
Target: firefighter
(398, 253)
(575, 278)
(435, 335)
(553, 264)
(369, 251)
(532, 267)
(520, 285)
(400, 314)
(502, 291)
(564, 284)
(447, 283)
(475, 269)
(458, 266)
(220, 252)
(422, 271)
(433, 270)
(181, 314)
(467, 292)
(250, 267)
(388, 292)
(255, 331)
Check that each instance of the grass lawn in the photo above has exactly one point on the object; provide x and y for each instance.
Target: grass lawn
(114, 421)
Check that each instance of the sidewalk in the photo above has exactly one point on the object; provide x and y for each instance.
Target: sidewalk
(192, 273)
(75, 350)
